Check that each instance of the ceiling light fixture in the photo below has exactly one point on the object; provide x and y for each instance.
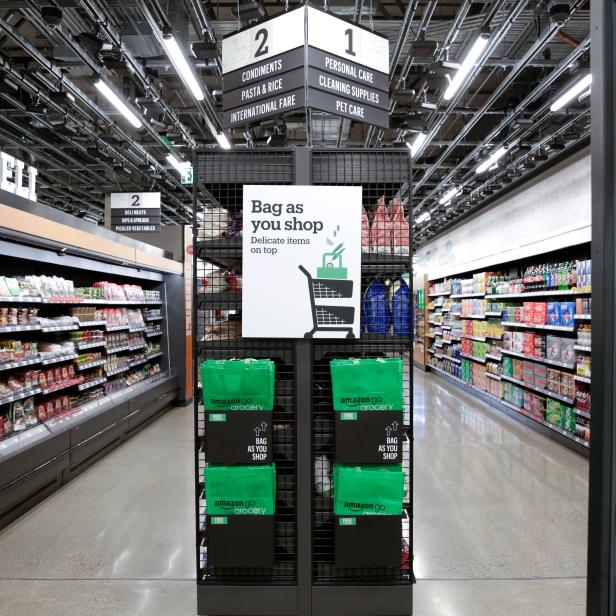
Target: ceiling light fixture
(118, 103)
(490, 162)
(223, 142)
(180, 166)
(184, 70)
(448, 196)
(417, 143)
(423, 217)
(467, 64)
(571, 93)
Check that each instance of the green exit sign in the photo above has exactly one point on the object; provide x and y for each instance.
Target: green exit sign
(187, 176)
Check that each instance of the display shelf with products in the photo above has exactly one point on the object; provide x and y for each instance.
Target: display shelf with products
(58, 412)
(301, 553)
(543, 371)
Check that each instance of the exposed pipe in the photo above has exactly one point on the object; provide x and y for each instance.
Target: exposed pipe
(97, 15)
(542, 87)
(69, 86)
(568, 39)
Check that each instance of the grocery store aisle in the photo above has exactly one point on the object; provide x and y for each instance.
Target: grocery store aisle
(500, 512)
(500, 523)
(117, 541)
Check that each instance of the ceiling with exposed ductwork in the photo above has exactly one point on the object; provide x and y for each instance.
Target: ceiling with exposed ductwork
(55, 53)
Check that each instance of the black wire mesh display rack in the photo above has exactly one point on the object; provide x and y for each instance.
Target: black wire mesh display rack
(304, 578)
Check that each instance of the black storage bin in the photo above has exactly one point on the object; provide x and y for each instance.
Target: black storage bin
(239, 437)
(240, 541)
(368, 541)
(369, 437)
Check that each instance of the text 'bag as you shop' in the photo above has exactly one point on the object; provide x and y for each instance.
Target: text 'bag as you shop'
(367, 384)
(240, 490)
(238, 385)
(368, 490)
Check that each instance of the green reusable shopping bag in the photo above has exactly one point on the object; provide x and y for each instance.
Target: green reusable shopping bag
(238, 385)
(368, 490)
(367, 384)
(240, 490)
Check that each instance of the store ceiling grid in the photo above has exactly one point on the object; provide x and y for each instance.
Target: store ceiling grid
(52, 114)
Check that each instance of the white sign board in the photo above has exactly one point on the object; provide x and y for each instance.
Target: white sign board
(263, 41)
(301, 262)
(139, 200)
(334, 35)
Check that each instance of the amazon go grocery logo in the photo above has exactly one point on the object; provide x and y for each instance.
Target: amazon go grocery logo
(365, 508)
(369, 403)
(240, 507)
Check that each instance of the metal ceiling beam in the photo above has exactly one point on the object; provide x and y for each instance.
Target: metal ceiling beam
(541, 41)
(97, 15)
(541, 88)
(84, 99)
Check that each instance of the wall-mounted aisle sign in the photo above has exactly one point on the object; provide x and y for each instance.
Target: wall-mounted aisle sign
(302, 261)
(135, 212)
(305, 58)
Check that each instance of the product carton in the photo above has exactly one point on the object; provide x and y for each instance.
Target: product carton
(540, 313)
(518, 369)
(553, 348)
(567, 385)
(508, 340)
(553, 316)
(552, 412)
(567, 314)
(507, 366)
(567, 418)
(518, 342)
(528, 312)
(567, 351)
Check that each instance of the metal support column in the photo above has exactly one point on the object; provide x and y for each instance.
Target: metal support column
(303, 375)
(602, 504)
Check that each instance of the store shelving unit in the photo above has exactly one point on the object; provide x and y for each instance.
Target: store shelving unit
(97, 413)
(420, 296)
(304, 578)
(493, 390)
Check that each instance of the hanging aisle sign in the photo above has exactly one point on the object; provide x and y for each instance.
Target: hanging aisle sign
(135, 212)
(338, 67)
(301, 276)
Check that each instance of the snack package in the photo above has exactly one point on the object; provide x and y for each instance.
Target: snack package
(380, 231)
(400, 232)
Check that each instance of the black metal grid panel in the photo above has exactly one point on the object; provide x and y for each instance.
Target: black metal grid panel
(218, 302)
(384, 177)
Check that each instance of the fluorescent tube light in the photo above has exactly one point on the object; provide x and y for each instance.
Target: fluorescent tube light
(490, 162)
(448, 196)
(223, 142)
(180, 166)
(182, 67)
(117, 102)
(417, 143)
(423, 217)
(467, 64)
(571, 93)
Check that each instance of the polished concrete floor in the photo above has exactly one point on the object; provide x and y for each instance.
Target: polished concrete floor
(500, 523)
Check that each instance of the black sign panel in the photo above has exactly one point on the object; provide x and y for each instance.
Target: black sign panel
(272, 86)
(341, 106)
(263, 109)
(283, 63)
(347, 89)
(349, 70)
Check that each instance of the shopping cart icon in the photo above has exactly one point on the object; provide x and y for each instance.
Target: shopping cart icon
(326, 317)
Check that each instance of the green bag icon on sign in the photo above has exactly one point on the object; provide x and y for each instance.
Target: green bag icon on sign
(240, 490)
(367, 384)
(238, 385)
(368, 490)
